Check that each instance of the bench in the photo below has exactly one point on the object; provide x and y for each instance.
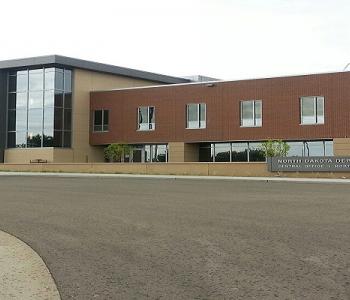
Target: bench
(38, 161)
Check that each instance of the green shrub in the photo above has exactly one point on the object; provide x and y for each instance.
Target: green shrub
(274, 148)
(116, 152)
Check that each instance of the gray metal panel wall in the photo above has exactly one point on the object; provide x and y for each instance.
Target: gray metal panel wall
(3, 109)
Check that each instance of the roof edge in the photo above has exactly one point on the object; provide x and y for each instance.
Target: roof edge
(210, 83)
(92, 66)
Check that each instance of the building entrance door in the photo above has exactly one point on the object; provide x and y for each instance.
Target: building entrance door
(137, 155)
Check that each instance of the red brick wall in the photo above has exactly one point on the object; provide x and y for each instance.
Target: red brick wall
(281, 110)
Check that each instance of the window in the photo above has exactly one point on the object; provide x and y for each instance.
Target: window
(312, 110)
(256, 153)
(36, 80)
(159, 153)
(296, 149)
(146, 118)
(149, 153)
(251, 113)
(36, 101)
(196, 115)
(315, 148)
(318, 148)
(155, 153)
(231, 152)
(101, 120)
(310, 148)
(239, 152)
(328, 148)
(206, 152)
(222, 152)
(253, 152)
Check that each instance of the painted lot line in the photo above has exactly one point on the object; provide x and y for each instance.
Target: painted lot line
(137, 176)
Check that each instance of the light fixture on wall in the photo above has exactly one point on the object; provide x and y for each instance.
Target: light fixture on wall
(210, 85)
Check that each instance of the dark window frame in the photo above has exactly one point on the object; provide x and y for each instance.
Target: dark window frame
(103, 125)
(42, 90)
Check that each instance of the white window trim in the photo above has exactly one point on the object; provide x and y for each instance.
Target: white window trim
(138, 119)
(199, 116)
(315, 109)
(93, 123)
(254, 115)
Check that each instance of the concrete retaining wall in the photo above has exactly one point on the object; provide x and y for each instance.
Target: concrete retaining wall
(201, 169)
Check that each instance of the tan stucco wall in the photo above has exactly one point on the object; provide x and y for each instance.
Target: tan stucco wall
(49, 154)
(176, 152)
(341, 146)
(63, 155)
(191, 152)
(182, 152)
(201, 169)
(84, 83)
(26, 155)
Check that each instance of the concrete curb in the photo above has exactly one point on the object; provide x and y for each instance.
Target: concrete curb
(23, 274)
(140, 176)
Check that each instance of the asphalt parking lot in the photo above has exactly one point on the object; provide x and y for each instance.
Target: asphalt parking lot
(184, 239)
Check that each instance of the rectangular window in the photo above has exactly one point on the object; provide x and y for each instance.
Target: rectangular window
(296, 149)
(159, 153)
(33, 101)
(251, 113)
(255, 152)
(312, 110)
(101, 120)
(310, 148)
(314, 148)
(146, 118)
(206, 152)
(239, 152)
(196, 115)
(36, 80)
(22, 81)
(148, 153)
(231, 152)
(222, 152)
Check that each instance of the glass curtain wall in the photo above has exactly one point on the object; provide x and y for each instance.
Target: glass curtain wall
(239, 152)
(39, 108)
(222, 152)
(255, 153)
(149, 153)
(251, 151)
(311, 148)
(231, 152)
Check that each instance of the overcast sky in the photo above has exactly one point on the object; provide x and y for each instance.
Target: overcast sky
(227, 39)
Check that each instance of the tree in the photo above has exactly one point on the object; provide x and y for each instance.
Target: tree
(34, 141)
(116, 152)
(275, 148)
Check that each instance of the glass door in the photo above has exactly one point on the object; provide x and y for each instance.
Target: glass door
(137, 155)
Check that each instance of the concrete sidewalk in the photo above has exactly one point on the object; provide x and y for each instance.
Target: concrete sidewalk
(23, 274)
(100, 175)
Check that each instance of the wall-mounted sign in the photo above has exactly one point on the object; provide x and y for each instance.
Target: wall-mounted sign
(309, 164)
